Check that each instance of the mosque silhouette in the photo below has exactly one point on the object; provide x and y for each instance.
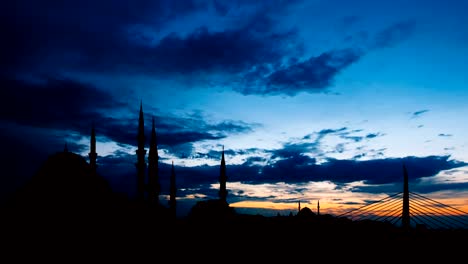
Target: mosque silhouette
(67, 184)
(68, 199)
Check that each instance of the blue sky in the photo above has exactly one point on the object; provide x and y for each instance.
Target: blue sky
(312, 100)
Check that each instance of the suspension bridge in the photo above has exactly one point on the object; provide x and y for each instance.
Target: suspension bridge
(410, 210)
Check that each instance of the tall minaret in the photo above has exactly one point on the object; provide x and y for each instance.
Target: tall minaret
(405, 218)
(222, 179)
(153, 169)
(141, 152)
(298, 206)
(172, 193)
(92, 151)
(318, 207)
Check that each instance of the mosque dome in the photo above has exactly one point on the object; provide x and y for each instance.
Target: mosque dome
(305, 212)
(65, 181)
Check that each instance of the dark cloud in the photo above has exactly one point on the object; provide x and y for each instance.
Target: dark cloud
(215, 154)
(416, 186)
(315, 73)
(350, 203)
(233, 126)
(379, 188)
(66, 104)
(291, 150)
(230, 51)
(331, 131)
(324, 132)
(57, 103)
(373, 135)
(429, 188)
(301, 168)
(53, 33)
(445, 135)
(253, 56)
(419, 113)
(111, 36)
(124, 131)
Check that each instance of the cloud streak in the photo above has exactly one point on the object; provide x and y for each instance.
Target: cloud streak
(419, 113)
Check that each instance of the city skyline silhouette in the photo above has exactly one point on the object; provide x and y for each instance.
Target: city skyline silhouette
(67, 190)
(201, 115)
(48, 181)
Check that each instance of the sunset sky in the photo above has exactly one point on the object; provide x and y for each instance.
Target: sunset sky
(313, 100)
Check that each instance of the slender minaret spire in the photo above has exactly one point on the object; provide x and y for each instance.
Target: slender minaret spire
(318, 207)
(172, 193)
(153, 169)
(92, 152)
(405, 218)
(141, 152)
(222, 179)
(299, 206)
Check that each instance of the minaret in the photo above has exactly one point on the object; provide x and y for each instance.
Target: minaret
(299, 206)
(153, 169)
(92, 152)
(222, 179)
(172, 193)
(141, 152)
(318, 207)
(405, 218)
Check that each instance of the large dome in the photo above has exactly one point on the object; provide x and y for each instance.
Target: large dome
(64, 181)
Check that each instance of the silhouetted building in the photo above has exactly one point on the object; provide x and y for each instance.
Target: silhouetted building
(318, 207)
(222, 179)
(153, 169)
(141, 152)
(65, 182)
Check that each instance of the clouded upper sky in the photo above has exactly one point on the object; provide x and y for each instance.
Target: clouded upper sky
(312, 100)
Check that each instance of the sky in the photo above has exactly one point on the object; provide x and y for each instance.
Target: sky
(313, 101)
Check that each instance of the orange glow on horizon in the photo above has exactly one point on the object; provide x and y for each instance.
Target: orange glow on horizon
(460, 206)
(325, 207)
